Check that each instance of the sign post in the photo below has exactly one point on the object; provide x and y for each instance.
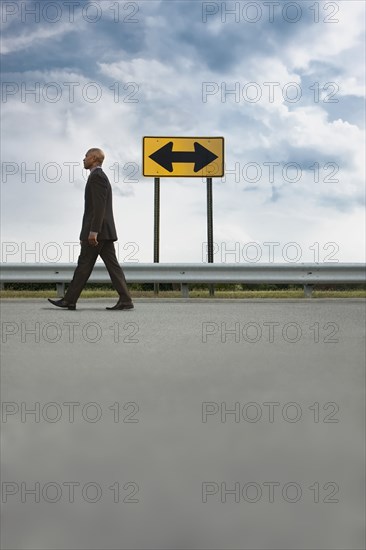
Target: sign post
(177, 157)
(156, 226)
(210, 228)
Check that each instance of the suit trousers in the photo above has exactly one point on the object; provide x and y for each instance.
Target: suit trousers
(86, 261)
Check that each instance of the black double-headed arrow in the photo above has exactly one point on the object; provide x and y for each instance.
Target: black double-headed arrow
(165, 156)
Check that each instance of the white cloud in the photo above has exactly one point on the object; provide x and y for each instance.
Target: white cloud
(24, 40)
(334, 43)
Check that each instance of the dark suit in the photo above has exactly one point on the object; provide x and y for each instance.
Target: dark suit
(98, 212)
(98, 217)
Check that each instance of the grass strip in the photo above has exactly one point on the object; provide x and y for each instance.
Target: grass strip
(219, 294)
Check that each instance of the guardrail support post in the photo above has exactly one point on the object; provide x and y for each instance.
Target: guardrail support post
(308, 291)
(185, 290)
(60, 289)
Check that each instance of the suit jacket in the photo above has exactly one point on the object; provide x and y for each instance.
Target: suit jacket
(98, 211)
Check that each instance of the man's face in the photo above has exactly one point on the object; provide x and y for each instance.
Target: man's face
(88, 160)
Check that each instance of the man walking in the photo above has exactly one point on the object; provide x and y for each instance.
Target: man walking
(96, 238)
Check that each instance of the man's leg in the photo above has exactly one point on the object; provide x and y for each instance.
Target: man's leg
(86, 261)
(108, 255)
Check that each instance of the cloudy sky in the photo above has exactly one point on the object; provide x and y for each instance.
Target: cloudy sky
(282, 82)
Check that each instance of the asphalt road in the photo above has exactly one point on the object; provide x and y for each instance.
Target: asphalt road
(183, 424)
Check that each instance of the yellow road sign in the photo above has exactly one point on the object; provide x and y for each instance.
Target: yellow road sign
(183, 157)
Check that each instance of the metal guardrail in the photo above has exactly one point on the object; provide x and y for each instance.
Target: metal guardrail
(308, 274)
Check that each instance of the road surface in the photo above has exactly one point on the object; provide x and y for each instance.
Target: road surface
(183, 424)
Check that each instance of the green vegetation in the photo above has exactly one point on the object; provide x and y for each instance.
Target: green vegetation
(232, 291)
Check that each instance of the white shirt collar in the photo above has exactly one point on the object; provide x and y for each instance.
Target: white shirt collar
(95, 167)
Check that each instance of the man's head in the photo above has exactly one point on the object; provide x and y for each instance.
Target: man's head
(93, 157)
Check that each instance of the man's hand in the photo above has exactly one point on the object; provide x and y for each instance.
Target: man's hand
(92, 239)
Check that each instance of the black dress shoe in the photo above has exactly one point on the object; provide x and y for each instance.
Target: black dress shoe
(62, 303)
(120, 305)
